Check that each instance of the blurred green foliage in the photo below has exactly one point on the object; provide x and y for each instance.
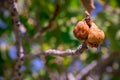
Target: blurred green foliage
(60, 36)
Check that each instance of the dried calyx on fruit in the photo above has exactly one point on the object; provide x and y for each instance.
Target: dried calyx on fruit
(87, 31)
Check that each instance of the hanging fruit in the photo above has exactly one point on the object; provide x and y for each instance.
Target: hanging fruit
(95, 37)
(81, 30)
(88, 31)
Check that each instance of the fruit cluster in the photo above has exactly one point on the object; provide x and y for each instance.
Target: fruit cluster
(88, 31)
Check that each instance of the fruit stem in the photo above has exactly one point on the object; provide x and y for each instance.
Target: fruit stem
(87, 14)
(88, 19)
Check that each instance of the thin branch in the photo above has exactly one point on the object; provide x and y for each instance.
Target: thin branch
(88, 4)
(51, 22)
(71, 76)
(84, 72)
(18, 28)
(112, 71)
(36, 19)
(97, 67)
(79, 50)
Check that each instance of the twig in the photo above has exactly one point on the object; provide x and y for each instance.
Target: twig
(88, 4)
(88, 19)
(97, 67)
(71, 76)
(84, 72)
(18, 28)
(79, 50)
(40, 32)
(112, 71)
(36, 17)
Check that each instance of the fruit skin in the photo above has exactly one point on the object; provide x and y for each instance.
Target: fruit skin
(81, 30)
(95, 37)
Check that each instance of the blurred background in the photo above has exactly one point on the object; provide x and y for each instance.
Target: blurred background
(36, 15)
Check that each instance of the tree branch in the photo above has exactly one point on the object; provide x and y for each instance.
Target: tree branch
(97, 67)
(84, 72)
(18, 28)
(88, 4)
(51, 22)
(112, 71)
(79, 50)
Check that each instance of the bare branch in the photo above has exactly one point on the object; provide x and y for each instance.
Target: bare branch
(112, 71)
(18, 28)
(79, 50)
(97, 67)
(51, 22)
(36, 19)
(71, 76)
(84, 72)
(88, 4)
